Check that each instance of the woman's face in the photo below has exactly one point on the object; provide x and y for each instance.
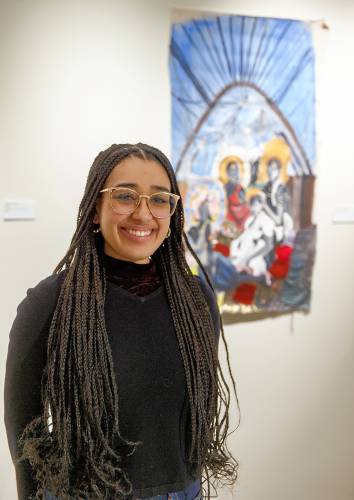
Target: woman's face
(119, 231)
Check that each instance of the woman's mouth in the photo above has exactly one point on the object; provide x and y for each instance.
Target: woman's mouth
(137, 235)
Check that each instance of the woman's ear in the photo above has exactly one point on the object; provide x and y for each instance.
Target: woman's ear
(96, 218)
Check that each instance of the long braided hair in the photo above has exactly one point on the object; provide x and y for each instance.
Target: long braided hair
(75, 446)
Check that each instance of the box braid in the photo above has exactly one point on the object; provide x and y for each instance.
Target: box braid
(75, 446)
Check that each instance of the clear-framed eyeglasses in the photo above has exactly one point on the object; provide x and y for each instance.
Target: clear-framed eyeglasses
(124, 201)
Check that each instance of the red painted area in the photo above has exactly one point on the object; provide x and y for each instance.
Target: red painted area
(244, 293)
(280, 266)
(223, 249)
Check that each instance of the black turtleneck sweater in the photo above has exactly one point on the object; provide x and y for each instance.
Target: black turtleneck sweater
(149, 372)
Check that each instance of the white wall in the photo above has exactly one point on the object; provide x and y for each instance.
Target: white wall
(78, 76)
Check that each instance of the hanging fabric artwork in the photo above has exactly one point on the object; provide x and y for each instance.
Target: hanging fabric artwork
(243, 130)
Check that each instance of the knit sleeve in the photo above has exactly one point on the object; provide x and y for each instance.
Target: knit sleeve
(26, 359)
(212, 303)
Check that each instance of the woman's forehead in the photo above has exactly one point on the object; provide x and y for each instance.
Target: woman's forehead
(139, 172)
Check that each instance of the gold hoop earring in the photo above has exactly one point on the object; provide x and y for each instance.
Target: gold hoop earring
(97, 230)
(168, 233)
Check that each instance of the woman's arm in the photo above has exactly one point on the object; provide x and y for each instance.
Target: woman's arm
(26, 359)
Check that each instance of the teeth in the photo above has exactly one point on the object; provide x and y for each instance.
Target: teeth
(139, 233)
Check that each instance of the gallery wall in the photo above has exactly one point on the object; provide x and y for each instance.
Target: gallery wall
(79, 76)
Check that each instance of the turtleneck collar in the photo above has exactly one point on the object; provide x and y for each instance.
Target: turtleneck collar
(140, 279)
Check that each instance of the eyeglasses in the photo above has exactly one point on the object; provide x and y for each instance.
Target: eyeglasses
(124, 201)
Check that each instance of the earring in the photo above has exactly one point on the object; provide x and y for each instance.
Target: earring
(97, 230)
(168, 233)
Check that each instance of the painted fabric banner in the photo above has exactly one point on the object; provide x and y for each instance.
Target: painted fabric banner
(243, 130)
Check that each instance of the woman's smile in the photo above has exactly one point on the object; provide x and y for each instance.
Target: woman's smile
(139, 235)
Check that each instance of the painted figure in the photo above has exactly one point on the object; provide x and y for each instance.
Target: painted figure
(231, 172)
(248, 251)
(274, 177)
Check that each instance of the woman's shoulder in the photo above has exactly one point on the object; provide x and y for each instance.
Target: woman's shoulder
(211, 300)
(34, 315)
(206, 288)
(50, 284)
(48, 288)
(41, 299)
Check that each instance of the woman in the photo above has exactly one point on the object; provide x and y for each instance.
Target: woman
(122, 339)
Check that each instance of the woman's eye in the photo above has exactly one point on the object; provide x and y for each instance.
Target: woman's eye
(159, 199)
(124, 196)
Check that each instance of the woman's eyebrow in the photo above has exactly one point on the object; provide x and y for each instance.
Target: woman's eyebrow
(134, 186)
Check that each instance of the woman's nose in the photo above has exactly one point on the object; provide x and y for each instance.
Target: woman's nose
(142, 212)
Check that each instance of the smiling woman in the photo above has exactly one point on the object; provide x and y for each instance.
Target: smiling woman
(113, 386)
(129, 228)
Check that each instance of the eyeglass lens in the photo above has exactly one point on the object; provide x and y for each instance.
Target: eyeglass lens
(125, 201)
